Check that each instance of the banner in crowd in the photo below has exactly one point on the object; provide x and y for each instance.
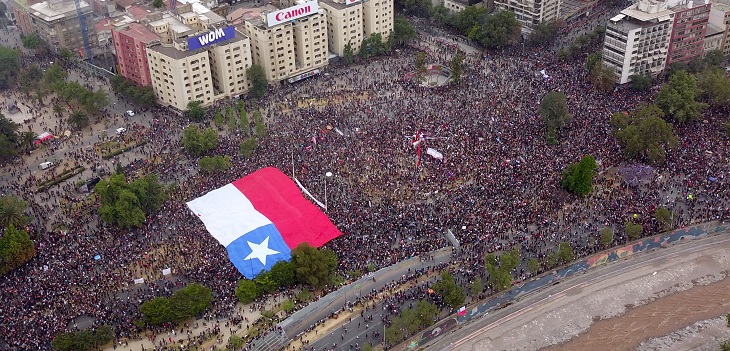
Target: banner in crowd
(166, 271)
(260, 218)
(139, 281)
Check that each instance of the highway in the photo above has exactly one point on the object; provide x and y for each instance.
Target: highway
(499, 324)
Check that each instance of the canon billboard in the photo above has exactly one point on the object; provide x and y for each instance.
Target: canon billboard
(291, 13)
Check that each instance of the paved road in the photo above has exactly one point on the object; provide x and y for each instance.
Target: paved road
(502, 321)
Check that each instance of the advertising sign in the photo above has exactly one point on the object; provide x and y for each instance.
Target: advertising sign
(350, 2)
(215, 36)
(291, 13)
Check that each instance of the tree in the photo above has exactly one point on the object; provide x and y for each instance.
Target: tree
(633, 230)
(257, 77)
(533, 265)
(7, 147)
(544, 33)
(714, 58)
(283, 274)
(606, 236)
(403, 31)
(78, 120)
(150, 192)
(190, 301)
(30, 79)
(348, 55)
(452, 294)
(640, 82)
(498, 30)
(593, 59)
(214, 164)
(236, 342)
(198, 142)
(103, 335)
(247, 147)
(156, 311)
(195, 111)
(265, 282)
(476, 286)
(243, 120)
(31, 41)
(664, 217)
(565, 252)
(12, 212)
(554, 111)
(677, 98)
(364, 51)
(456, 66)
(125, 204)
(247, 291)
(312, 266)
(500, 273)
(54, 76)
(578, 177)
(9, 66)
(647, 136)
(715, 86)
(157, 4)
(603, 77)
(420, 64)
(26, 139)
(425, 313)
(16, 248)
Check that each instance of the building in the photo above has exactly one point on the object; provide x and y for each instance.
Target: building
(720, 17)
(20, 10)
(713, 38)
(530, 13)
(686, 41)
(57, 23)
(288, 42)
(344, 24)
(456, 5)
(377, 16)
(199, 57)
(131, 42)
(637, 40)
(104, 33)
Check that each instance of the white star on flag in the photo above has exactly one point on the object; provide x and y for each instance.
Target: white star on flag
(260, 251)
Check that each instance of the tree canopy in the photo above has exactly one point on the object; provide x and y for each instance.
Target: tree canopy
(453, 294)
(197, 142)
(545, 33)
(578, 177)
(554, 112)
(185, 303)
(12, 212)
(403, 31)
(715, 86)
(16, 248)
(313, 266)
(500, 272)
(84, 340)
(644, 135)
(257, 77)
(127, 204)
(195, 111)
(9, 66)
(678, 98)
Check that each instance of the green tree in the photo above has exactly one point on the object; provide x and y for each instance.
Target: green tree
(499, 30)
(218, 119)
(197, 142)
(647, 137)
(16, 248)
(348, 55)
(214, 164)
(633, 230)
(456, 66)
(554, 111)
(403, 31)
(565, 252)
(476, 286)
(603, 78)
(257, 77)
(157, 311)
(533, 265)
(425, 313)
(54, 77)
(678, 98)
(247, 147)
(640, 82)
(312, 266)
(119, 204)
(150, 192)
(578, 177)
(9, 66)
(243, 120)
(157, 3)
(283, 274)
(190, 301)
(725, 346)
(606, 236)
(714, 58)
(452, 294)
(26, 139)
(12, 212)
(715, 86)
(103, 335)
(195, 111)
(593, 59)
(63, 342)
(266, 282)
(247, 291)
(236, 342)
(420, 64)
(31, 41)
(664, 217)
(30, 79)
(78, 120)
(545, 33)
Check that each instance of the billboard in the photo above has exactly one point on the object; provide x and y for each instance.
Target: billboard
(215, 36)
(291, 13)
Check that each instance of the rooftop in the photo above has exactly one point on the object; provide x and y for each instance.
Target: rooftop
(335, 5)
(174, 24)
(104, 24)
(138, 12)
(139, 32)
(713, 30)
(57, 9)
(125, 3)
(176, 54)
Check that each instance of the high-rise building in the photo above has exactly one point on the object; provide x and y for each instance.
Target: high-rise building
(130, 45)
(344, 24)
(377, 16)
(713, 38)
(688, 31)
(57, 23)
(637, 40)
(530, 13)
(720, 17)
(288, 42)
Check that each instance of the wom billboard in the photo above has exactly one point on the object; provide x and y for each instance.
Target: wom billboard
(215, 36)
(291, 13)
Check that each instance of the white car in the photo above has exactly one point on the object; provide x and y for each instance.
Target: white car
(129, 113)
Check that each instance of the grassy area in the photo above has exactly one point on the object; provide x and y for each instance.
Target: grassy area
(43, 186)
(121, 148)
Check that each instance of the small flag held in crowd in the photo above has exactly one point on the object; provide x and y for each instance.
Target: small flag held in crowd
(462, 311)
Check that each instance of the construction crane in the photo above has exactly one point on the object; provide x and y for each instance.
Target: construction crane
(84, 33)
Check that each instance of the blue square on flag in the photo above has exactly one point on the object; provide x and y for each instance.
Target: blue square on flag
(260, 218)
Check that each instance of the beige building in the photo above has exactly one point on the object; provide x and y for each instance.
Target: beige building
(531, 12)
(456, 5)
(377, 17)
(57, 23)
(713, 38)
(344, 25)
(720, 17)
(199, 58)
(290, 41)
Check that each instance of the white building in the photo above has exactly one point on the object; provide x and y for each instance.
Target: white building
(530, 13)
(344, 24)
(637, 40)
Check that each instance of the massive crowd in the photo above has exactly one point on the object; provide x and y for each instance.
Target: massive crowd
(497, 186)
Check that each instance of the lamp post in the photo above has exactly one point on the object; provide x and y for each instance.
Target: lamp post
(327, 175)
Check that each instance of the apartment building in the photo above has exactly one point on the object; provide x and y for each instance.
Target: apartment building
(199, 57)
(344, 24)
(688, 31)
(637, 39)
(130, 45)
(377, 16)
(530, 13)
(290, 41)
(713, 38)
(57, 23)
(720, 17)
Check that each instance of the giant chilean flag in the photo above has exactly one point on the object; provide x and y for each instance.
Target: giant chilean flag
(260, 218)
